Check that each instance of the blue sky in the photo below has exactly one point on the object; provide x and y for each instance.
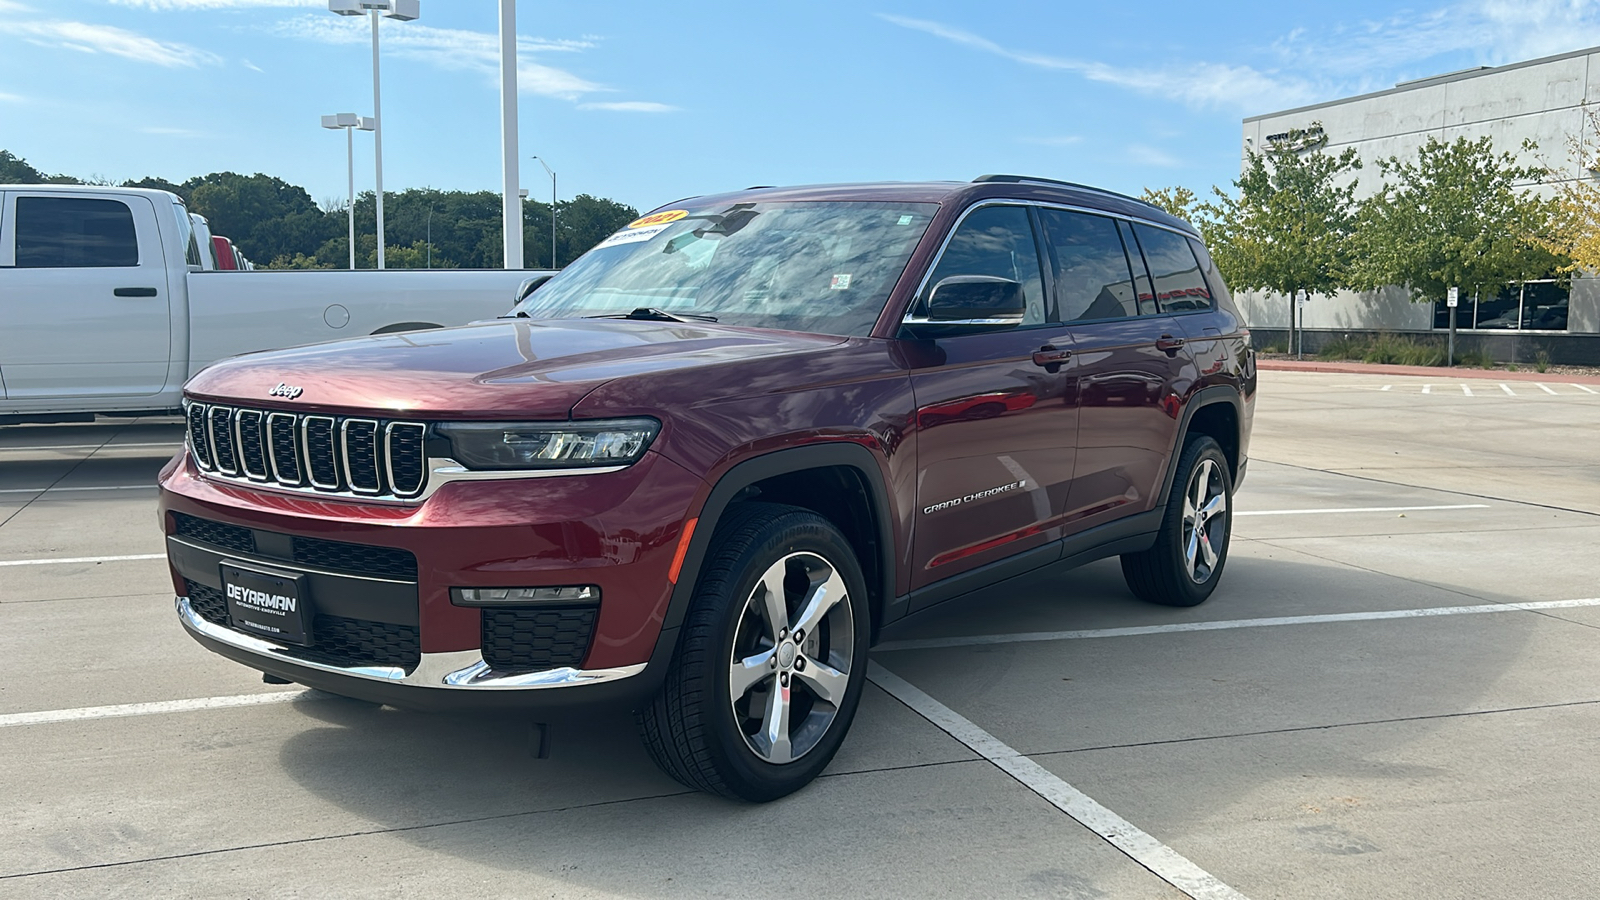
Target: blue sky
(646, 102)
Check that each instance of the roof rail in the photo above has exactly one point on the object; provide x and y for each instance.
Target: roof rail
(1016, 179)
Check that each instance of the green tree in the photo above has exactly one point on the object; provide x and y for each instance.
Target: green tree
(265, 216)
(1290, 226)
(16, 170)
(1177, 201)
(1456, 216)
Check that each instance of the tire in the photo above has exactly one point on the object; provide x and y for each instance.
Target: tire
(1166, 573)
(765, 742)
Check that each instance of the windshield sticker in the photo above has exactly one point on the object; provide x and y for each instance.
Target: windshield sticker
(905, 220)
(631, 236)
(660, 218)
(840, 283)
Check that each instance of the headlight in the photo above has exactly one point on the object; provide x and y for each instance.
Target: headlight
(549, 445)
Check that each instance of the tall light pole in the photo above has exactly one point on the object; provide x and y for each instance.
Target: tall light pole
(552, 210)
(401, 11)
(511, 201)
(350, 122)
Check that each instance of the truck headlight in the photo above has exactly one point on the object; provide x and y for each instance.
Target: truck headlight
(548, 445)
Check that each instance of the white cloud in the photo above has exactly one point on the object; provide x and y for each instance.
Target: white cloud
(10, 6)
(1150, 156)
(12, 98)
(643, 106)
(165, 5)
(251, 66)
(455, 49)
(1198, 84)
(89, 38)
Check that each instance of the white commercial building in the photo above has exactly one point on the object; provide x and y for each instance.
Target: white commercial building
(1543, 100)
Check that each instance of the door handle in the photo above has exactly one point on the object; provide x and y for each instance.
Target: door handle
(1049, 355)
(135, 292)
(1169, 345)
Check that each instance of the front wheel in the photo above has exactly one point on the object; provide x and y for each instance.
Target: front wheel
(1184, 566)
(772, 658)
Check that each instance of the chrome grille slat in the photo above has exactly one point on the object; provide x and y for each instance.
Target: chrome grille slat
(363, 461)
(355, 457)
(403, 451)
(248, 445)
(219, 422)
(283, 444)
(199, 441)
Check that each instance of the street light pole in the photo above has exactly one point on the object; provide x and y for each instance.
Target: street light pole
(552, 210)
(350, 122)
(511, 198)
(402, 11)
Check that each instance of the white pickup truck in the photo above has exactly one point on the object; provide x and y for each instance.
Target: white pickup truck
(107, 304)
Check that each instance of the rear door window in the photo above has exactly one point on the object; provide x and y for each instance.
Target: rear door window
(997, 241)
(1093, 280)
(74, 232)
(1179, 284)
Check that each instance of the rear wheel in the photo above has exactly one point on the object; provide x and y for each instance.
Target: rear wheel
(1184, 566)
(771, 661)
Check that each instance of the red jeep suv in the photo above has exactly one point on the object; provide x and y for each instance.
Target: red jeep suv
(699, 470)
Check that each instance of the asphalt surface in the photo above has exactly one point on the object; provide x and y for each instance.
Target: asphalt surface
(1394, 693)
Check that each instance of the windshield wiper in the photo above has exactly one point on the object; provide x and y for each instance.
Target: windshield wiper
(651, 314)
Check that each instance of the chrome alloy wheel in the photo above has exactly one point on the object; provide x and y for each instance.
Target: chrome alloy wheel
(1205, 520)
(792, 649)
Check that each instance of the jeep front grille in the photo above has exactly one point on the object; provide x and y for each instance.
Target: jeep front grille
(350, 456)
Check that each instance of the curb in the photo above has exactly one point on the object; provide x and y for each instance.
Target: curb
(1438, 372)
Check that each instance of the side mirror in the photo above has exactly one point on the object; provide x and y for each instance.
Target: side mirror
(967, 304)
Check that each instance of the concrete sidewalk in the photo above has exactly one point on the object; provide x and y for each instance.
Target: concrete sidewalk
(1358, 368)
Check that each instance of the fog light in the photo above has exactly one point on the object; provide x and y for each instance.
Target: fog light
(525, 596)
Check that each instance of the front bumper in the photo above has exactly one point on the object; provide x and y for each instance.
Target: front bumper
(457, 673)
(384, 576)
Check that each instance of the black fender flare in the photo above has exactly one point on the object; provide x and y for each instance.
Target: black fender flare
(1200, 399)
(781, 462)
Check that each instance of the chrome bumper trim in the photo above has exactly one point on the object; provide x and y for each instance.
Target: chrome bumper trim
(458, 670)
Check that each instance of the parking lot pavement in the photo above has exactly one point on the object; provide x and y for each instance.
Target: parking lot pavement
(1393, 694)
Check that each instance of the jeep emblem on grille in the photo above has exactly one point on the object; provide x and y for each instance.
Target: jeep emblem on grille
(284, 390)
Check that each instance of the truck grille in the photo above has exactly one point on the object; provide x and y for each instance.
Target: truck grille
(533, 640)
(336, 556)
(339, 641)
(351, 456)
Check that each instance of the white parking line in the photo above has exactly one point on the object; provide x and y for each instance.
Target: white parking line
(1387, 387)
(54, 490)
(1582, 388)
(1427, 389)
(1507, 389)
(1228, 624)
(1354, 509)
(1466, 390)
(1166, 863)
(84, 713)
(1545, 388)
(79, 559)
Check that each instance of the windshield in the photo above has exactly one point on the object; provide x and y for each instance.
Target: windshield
(815, 266)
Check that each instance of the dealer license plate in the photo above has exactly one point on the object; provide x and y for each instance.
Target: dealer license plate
(267, 603)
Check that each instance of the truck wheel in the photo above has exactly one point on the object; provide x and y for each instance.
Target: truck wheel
(1184, 566)
(771, 661)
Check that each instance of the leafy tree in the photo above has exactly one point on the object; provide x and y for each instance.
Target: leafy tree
(1455, 217)
(159, 184)
(1289, 228)
(16, 170)
(1575, 229)
(1177, 201)
(581, 223)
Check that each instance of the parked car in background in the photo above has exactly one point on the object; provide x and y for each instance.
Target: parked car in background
(229, 259)
(111, 298)
(699, 470)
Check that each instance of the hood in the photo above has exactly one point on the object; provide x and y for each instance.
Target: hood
(517, 368)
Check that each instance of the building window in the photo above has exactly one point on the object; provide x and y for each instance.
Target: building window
(1528, 306)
